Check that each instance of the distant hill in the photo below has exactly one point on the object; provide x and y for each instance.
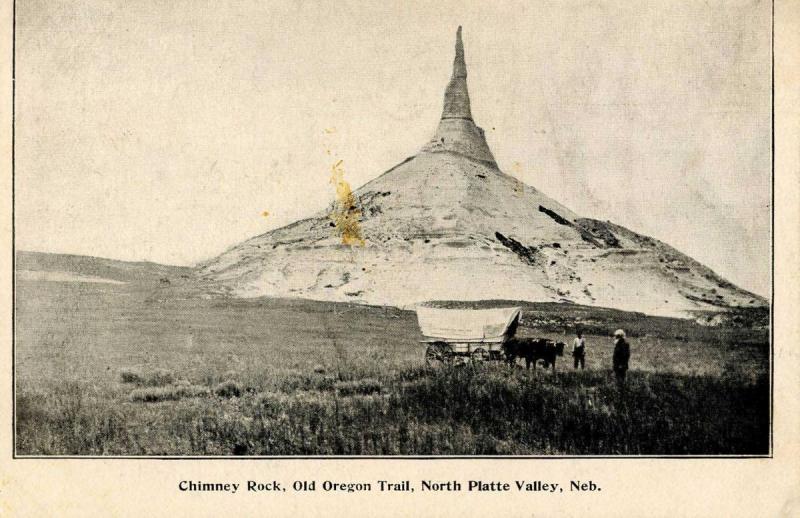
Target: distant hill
(66, 267)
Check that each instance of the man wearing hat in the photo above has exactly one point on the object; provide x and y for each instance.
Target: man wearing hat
(622, 353)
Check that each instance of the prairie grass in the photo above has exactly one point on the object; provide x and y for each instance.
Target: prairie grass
(469, 410)
(289, 377)
(77, 419)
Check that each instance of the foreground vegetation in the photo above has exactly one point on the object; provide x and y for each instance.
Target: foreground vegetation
(482, 409)
(118, 370)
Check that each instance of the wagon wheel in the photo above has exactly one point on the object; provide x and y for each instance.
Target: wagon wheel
(438, 352)
(479, 355)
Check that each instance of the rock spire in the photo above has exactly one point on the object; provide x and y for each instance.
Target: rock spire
(457, 132)
(456, 97)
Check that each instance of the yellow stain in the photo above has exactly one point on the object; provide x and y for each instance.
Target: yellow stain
(265, 213)
(345, 214)
(330, 130)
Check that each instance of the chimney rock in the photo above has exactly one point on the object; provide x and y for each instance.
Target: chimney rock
(457, 132)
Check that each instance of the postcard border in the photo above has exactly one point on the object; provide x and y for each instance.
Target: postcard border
(15, 456)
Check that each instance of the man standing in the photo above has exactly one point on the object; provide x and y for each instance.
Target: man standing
(579, 350)
(622, 353)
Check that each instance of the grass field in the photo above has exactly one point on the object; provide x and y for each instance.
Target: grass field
(135, 369)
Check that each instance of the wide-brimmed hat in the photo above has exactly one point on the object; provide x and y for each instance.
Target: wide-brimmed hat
(620, 333)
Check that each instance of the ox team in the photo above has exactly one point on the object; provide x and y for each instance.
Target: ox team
(542, 349)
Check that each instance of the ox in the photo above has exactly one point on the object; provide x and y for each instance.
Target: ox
(533, 349)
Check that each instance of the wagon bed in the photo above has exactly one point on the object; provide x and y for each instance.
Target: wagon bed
(478, 334)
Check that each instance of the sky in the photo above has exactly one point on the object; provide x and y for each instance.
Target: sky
(170, 131)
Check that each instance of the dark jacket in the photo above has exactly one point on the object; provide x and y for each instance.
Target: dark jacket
(622, 353)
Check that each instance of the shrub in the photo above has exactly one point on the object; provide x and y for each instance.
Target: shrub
(155, 378)
(228, 389)
(362, 387)
(129, 376)
(170, 393)
(159, 377)
(326, 383)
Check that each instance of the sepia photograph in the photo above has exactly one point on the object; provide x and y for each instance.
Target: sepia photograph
(276, 229)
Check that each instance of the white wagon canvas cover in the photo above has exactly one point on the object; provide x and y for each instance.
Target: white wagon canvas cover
(467, 325)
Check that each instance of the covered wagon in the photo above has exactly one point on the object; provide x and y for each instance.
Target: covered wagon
(477, 334)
